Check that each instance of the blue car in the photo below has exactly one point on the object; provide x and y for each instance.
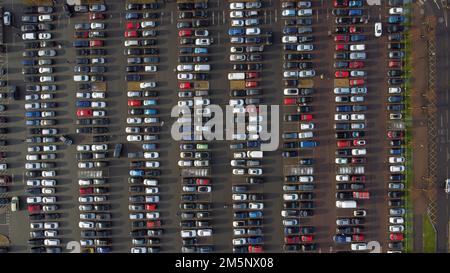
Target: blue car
(255, 214)
(396, 19)
(33, 114)
(355, 4)
(136, 173)
(344, 108)
(357, 38)
(240, 215)
(103, 249)
(150, 102)
(236, 31)
(131, 15)
(255, 240)
(29, 62)
(342, 239)
(200, 50)
(253, 144)
(307, 144)
(187, 137)
(150, 111)
(149, 146)
(32, 122)
(290, 30)
(396, 151)
(83, 103)
(355, 12)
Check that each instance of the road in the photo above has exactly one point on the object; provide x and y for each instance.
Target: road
(443, 138)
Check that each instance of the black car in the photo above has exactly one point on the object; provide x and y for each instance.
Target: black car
(133, 77)
(395, 28)
(395, 73)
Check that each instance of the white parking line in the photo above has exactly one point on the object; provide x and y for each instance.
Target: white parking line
(276, 15)
(171, 17)
(223, 17)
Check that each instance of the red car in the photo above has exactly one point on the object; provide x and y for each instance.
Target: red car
(89, 190)
(396, 236)
(185, 85)
(251, 84)
(202, 181)
(255, 249)
(344, 143)
(357, 237)
(341, 38)
(341, 47)
(358, 178)
(356, 64)
(290, 101)
(395, 64)
(252, 75)
(84, 113)
(307, 238)
(95, 43)
(341, 74)
(358, 82)
(131, 25)
(340, 3)
(292, 239)
(184, 33)
(81, 34)
(134, 103)
(151, 224)
(96, 16)
(306, 117)
(354, 29)
(34, 208)
(130, 34)
(395, 134)
(151, 207)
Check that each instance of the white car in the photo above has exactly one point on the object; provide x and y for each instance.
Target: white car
(98, 95)
(151, 155)
(203, 41)
(204, 232)
(48, 183)
(290, 74)
(150, 68)
(81, 78)
(44, 36)
(255, 205)
(239, 197)
(341, 117)
(237, 6)
(185, 67)
(49, 200)
(396, 220)
(185, 76)
(341, 160)
(98, 113)
(291, 91)
(239, 136)
(239, 241)
(357, 117)
(97, 26)
(133, 138)
(147, 85)
(147, 24)
(43, 70)
(255, 171)
(358, 47)
(396, 228)
(359, 151)
(50, 233)
(237, 23)
(188, 233)
(289, 39)
(34, 200)
(378, 29)
(396, 11)
(86, 224)
(48, 173)
(305, 47)
(51, 225)
(358, 246)
(236, 14)
(85, 165)
(290, 196)
(396, 168)
(99, 147)
(342, 178)
(252, 31)
(83, 148)
(98, 104)
(395, 90)
(185, 163)
(393, 159)
(306, 73)
(46, 79)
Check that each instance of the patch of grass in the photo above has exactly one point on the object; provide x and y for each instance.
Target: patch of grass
(429, 236)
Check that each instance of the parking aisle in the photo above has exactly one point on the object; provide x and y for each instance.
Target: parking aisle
(141, 48)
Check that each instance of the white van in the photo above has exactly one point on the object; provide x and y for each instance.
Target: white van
(236, 76)
(255, 154)
(131, 43)
(348, 204)
(306, 135)
(202, 67)
(150, 182)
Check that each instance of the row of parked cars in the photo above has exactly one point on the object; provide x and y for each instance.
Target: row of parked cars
(298, 197)
(92, 156)
(195, 40)
(143, 125)
(40, 119)
(350, 120)
(397, 16)
(247, 44)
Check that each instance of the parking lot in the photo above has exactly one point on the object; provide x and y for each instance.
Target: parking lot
(128, 177)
